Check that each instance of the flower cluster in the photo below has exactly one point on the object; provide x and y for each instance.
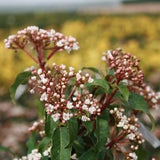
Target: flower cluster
(34, 155)
(41, 37)
(129, 131)
(125, 66)
(54, 83)
(126, 69)
(39, 127)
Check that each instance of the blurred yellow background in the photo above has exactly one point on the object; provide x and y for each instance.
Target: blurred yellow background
(138, 34)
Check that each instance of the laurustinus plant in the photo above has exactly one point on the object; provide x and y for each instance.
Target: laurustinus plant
(85, 114)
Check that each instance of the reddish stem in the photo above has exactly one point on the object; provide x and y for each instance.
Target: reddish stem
(27, 53)
(53, 52)
(71, 93)
(115, 140)
(106, 104)
(40, 56)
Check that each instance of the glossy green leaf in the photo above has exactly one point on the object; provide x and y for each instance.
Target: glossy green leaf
(60, 140)
(101, 83)
(137, 102)
(43, 144)
(22, 78)
(73, 129)
(89, 126)
(50, 126)
(101, 133)
(40, 109)
(124, 91)
(31, 143)
(79, 146)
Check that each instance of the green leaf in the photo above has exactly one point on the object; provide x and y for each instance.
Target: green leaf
(22, 78)
(88, 155)
(101, 133)
(60, 140)
(31, 143)
(124, 91)
(6, 149)
(152, 120)
(137, 102)
(73, 129)
(40, 109)
(78, 145)
(101, 83)
(50, 126)
(43, 144)
(89, 126)
(110, 72)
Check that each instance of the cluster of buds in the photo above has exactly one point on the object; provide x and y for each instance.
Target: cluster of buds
(38, 126)
(53, 84)
(126, 69)
(34, 155)
(129, 131)
(41, 37)
(125, 66)
(40, 41)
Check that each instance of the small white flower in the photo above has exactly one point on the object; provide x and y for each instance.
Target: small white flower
(154, 100)
(131, 136)
(69, 105)
(75, 46)
(50, 108)
(74, 157)
(92, 110)
(66, 116)
(133, 155)
(85, 118)
(39, 71)
(87, 101)
(78, 76)
(67, 48)
(85, 107)
(33, 78)
(44, 97)
(56, 117)
(90, 80)
(71, 39)
(109, 55)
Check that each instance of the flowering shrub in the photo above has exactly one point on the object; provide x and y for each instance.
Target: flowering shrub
(85, 114)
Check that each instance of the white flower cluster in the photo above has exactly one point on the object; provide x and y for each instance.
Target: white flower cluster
(52, 85)
(44, 38)
(34, 155)
(130, 129)
(132, 156)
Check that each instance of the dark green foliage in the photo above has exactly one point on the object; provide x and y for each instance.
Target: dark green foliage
(60, 140)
